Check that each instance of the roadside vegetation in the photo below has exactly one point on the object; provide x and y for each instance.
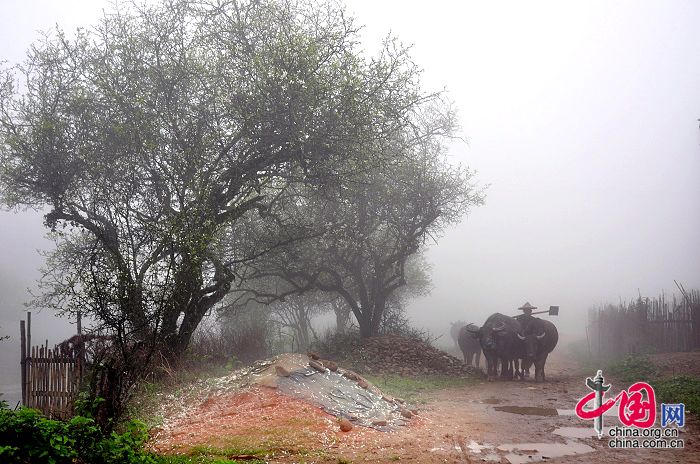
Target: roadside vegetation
(415, 389)
(210, 455)
(200, 459)
(669, 389)
(28, 436)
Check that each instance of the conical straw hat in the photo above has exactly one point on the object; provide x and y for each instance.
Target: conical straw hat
(527, 305)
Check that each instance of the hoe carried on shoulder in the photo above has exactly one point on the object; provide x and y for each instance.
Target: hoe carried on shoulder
(552, 311)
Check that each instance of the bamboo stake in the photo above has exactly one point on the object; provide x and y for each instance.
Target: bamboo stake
(32, 374)
(29, 330)
(23, 361)
(50, 379)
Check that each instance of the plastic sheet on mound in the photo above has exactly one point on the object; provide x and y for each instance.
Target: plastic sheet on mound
(342, 397)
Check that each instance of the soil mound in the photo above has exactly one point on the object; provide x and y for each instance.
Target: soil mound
(277, 389)
(393, 354)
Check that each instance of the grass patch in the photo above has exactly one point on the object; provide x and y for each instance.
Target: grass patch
(680, 389)
(212, 455)
(227, 451)
(199, 460)
(634, 369)
(414, 389)
(258, 441)
(671, 390)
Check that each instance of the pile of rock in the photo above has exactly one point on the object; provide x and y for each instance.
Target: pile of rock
(404, 356)
(340, 392)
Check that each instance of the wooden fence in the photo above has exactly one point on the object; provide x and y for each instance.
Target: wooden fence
(645, 325)
(50, 376)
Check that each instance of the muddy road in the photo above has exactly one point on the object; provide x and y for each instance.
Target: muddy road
(511, 422)
(502, 422)
(520, 422)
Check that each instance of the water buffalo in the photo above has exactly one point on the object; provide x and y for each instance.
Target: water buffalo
(455, 328)
(470, 346)
(539, 340)
(500, 342)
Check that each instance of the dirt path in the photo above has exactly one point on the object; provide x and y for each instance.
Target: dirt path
(516, 422)
(527, 422)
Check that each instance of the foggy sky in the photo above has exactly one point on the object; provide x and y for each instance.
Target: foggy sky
(580, 116)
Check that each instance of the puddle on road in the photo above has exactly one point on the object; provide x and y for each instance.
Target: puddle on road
(476, 448)
(578, 432)
(528, 410)
(570, 412)
(519, 453)
(489, 455)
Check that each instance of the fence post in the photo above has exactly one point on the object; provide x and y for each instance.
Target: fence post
(23, 361)
(29, 332)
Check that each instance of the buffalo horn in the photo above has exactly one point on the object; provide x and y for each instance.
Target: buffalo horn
(540, 336)
(469, 329)
(499, 328)
(520, 336)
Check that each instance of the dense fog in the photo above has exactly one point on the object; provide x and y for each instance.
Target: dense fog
(581, 119)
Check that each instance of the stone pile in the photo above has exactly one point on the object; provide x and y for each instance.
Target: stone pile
(403, 356)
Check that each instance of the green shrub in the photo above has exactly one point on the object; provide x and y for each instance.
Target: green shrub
(679, 389)
(633, 369)
(26, 436)
(671, 390)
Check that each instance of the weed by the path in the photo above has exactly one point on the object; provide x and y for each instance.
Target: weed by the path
(413, 389)
(28, 436)
(199, 460)
(633, 369)
(670, 390)
(680, 389)
(213, 455)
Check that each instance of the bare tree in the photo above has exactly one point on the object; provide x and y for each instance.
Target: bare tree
(297, 312)
(342, 315)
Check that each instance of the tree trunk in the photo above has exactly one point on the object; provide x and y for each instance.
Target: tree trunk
(365, 323)
(342, 317)
(377, 313)
(371, 319)
(193, 316)
(303, 331)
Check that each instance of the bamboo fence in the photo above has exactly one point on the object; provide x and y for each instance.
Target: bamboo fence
(646, 325)
(50, 376)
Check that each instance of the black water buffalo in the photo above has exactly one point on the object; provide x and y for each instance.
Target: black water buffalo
(500, 342)
(539, 340)
(470, 346)
(455, 328)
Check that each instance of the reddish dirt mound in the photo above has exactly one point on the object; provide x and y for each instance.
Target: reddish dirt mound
(259, 417)
(459, 425)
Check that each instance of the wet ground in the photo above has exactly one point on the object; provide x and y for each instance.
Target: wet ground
(516, 422)
(522, 422)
